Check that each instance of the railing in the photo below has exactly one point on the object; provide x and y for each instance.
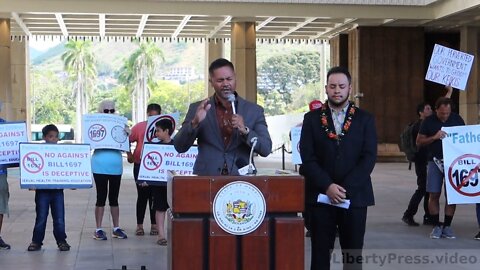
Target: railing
(284, 150)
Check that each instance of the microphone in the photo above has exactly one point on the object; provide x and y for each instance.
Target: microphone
(251, 167)
(231, 98)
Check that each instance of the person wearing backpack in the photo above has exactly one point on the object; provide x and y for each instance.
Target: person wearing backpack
(420, 160)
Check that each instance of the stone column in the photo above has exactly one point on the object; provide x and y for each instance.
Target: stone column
(5, 74)
(243, 54)
(214, 49)
(20, 69)
(470, 98)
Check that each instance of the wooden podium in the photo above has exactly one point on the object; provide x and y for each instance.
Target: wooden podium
(196, 241)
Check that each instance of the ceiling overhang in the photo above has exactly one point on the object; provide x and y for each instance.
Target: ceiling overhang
(198, 19)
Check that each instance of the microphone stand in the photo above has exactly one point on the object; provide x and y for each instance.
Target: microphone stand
(251, 167)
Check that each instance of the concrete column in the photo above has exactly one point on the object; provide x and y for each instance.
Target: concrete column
(20, 69)
(469, 101)
(5, 74)
(214, 49)
(244, 58)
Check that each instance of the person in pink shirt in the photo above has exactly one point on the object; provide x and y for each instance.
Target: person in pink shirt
(144, 191)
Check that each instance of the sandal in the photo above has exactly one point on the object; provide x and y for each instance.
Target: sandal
(153, 231)
(162, 242)
(34, 247)
(140, 231)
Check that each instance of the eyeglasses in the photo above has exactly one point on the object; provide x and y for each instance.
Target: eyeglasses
(109, 111)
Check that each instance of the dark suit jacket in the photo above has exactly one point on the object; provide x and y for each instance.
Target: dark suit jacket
(212, 152)
(348, 163)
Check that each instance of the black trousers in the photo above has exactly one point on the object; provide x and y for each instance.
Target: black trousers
(144, 196)
(324, 221)
(421, 192)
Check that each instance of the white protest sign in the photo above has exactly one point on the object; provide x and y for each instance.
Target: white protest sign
(157, 159)
(295, 135)
(11, 134)
(449, 67)
(105, 131)
(52, 166)
(150, 132)
(461, 154)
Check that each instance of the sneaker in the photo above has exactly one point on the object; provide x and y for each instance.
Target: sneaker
(436, 232)
(99, 235)
(118, 233)
(4, 245)
(447, 232)
(477, 237)
(63, 246)
(409, 221)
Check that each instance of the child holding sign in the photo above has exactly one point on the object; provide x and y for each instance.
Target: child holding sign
(163, 131)
(53, 199)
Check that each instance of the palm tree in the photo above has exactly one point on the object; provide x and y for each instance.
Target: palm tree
(79, 62)
(137, 73)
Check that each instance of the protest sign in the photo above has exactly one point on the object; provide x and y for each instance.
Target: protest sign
(295, 133)
(150, 132)
(461, 153)
(11, 135)
(105, 131)
(449, 67)
(53, 166)
(157, 159)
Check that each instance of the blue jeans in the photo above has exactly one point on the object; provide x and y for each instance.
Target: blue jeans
(53, 199)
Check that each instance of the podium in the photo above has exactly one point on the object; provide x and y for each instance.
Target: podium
(196, 241)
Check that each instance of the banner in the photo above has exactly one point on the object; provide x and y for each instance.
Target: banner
(461, 153)
(150, 132)
(105, 131)
(55, 166)
(11, 135)
(295, 133)
(157, 159)
(449, 67)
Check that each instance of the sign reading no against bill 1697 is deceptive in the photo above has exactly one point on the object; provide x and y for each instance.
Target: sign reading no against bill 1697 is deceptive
(51, 166)
(105, 131)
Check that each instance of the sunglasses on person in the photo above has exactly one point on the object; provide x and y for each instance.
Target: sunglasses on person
(109, 110)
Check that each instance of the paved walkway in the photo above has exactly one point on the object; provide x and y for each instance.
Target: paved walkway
(389, 243)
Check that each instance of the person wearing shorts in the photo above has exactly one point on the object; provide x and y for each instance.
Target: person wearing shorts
(430, 136)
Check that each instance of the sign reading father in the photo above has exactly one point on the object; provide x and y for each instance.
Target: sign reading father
(449, 67)
(150, 132)
(295, 134)
(11, 134)
(52, 166)
(157, 159)
(461, 153)
(105, 131)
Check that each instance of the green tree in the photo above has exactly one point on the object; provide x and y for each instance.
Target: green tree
(284, 73)
(174, 97)
(51, 101)
(138, 71)
(79, 62)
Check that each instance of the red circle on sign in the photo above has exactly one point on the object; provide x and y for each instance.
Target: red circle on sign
(151, 128)
(29, 157)
(450, 179)
(148, 157)
(97, 132)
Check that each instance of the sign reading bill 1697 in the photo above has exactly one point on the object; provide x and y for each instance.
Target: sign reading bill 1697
(11, 134)
(52, 166)
(157, 159)
(105, 131)
(461, 153)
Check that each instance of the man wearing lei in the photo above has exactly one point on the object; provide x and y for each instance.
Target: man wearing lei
(338, 146)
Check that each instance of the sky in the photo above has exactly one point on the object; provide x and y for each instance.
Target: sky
(43, 45)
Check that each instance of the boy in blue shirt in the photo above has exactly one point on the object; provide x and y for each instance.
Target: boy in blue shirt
(53, 199)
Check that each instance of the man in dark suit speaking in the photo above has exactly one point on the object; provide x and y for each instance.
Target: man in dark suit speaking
(338, 146)
(224, 125)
